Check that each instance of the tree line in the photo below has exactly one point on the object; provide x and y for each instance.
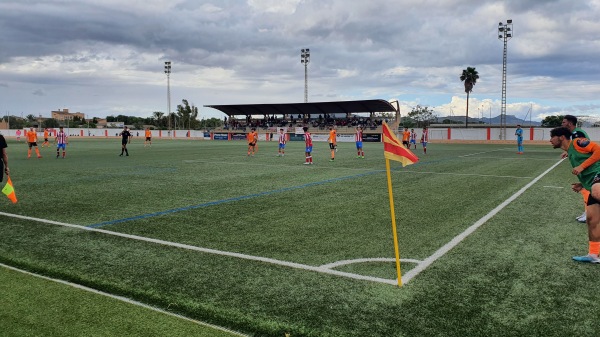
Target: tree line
(184, 118)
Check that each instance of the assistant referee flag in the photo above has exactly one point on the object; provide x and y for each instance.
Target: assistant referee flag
(9, 190)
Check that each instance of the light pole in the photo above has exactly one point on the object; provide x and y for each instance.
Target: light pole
(168, 72)
(505, 33)
(304, 59)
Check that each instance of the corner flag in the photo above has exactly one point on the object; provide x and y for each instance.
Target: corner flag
(9, 190)
(394, 150)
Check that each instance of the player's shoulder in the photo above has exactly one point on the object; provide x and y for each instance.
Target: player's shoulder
(582, 142)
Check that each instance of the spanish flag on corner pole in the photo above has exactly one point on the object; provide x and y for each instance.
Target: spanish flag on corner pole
(9, 190)
(394, 150)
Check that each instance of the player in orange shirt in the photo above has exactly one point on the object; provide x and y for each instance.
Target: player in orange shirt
(148, 137)
(332, 141)
(31, 136)
(46, 138)
(252, 139)
(405, 138)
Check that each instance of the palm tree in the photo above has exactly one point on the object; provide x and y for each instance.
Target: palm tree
(469, 77)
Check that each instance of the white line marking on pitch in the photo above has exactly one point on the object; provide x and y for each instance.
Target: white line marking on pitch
(559, 187)
(121, 298)
(474, 154)
(210, 251)
(421, 265)
(516, 158)
(463, 174)
(457, 239)
(374, 259)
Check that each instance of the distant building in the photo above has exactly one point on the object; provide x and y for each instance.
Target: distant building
(101, 122)
(65, 115)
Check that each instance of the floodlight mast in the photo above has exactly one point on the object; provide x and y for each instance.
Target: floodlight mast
(168, 72)
(505, 33)
(305, 59)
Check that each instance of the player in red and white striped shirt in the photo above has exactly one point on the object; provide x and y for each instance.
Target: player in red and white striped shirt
(282, 141)
(425, 139)
(61, 140)
(358, 138)
(308, 141)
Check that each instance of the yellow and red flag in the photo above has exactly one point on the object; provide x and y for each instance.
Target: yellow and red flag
(394, 150)
(9, 190)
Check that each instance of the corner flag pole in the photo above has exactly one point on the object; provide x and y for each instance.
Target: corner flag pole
(396, 249)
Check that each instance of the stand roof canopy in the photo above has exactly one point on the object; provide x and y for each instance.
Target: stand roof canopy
(313, 108)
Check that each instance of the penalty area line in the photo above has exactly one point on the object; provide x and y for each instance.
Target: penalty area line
(460, 237)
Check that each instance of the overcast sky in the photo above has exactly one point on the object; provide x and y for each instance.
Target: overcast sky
(106, 57)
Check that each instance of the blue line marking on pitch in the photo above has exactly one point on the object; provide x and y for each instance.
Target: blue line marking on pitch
(244, 197)
(218, 202)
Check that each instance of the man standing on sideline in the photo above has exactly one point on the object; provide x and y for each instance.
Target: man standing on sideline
(425, 139)
(519, 134)
(252, 139)
(332, 141)
(308, 143)
(584, 156)
(32, 142)
(358, 138)
(282, 141)
(570, 122)
(148, 137)
(3, 158)
(46, 138)
(126, 139)
(61, 142)
(413, 138)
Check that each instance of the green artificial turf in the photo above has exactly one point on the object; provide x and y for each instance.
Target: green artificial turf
(511, 277)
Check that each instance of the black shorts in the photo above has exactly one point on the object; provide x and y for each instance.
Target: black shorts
(405, 142)
(32, 144)
(591, 200)
(46, 140)
(124, 142)
(252, 144)
(149, 139)
(331, 146)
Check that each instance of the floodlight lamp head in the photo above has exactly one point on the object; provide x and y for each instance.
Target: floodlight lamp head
(509, 21)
